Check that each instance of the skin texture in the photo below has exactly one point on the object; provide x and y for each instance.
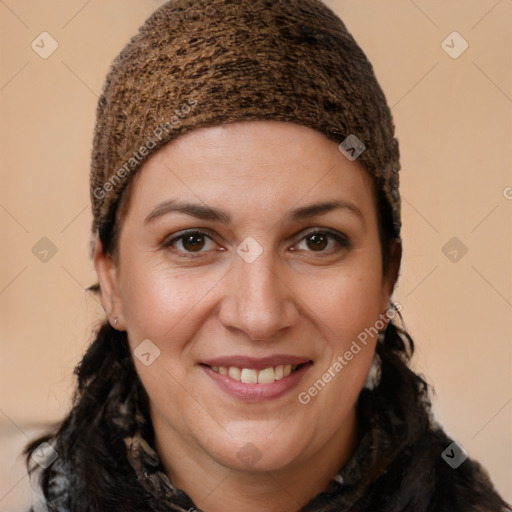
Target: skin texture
(302, 296)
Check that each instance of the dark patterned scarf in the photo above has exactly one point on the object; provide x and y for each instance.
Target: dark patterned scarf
(377, 472)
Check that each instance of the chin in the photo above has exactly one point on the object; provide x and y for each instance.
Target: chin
(258, 453)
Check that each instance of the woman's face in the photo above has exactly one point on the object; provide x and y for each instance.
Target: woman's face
(245, 249)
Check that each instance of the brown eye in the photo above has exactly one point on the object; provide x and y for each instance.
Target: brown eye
(190, 242)
(319, 241)
(194, 242)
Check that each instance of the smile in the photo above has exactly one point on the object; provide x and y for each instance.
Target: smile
(253, 376)
(256, 380)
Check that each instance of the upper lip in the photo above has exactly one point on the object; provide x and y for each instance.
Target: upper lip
(256, 363)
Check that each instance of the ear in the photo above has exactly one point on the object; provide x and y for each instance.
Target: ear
(391, 276)
(108, 272)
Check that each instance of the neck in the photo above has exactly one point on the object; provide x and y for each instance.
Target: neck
(215, 488)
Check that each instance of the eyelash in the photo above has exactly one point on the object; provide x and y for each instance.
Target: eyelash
(341, 239)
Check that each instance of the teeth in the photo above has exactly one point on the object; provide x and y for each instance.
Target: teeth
(266, 376)
(234, 372)
(251, 376)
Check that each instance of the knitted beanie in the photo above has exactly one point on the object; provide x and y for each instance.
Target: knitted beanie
(197, 63)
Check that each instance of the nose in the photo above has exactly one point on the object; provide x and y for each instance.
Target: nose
(258, 301)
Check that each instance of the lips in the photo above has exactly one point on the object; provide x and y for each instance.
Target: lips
(252, 379)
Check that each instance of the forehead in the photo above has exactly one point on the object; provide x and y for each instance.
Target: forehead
(257, 167)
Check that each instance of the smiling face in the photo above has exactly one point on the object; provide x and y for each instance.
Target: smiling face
(247, 247)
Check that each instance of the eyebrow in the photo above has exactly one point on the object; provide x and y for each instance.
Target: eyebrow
(211, 213)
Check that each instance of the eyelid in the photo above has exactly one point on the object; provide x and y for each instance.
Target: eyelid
(334, 233)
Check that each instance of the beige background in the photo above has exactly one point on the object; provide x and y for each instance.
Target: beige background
(453, 119)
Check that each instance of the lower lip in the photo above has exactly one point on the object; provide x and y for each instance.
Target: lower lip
(257, 392)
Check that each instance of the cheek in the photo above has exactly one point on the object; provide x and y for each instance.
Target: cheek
(348, 301)
(347, 306)
(158, 300)
(163, 306)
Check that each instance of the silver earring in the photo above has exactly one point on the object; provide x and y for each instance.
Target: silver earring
(374, 375)
(381, 337)
(115, 322)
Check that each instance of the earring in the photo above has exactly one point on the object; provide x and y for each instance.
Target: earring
(115, 322)
(374, 375)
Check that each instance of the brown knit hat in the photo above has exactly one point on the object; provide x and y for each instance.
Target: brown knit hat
(205, 62)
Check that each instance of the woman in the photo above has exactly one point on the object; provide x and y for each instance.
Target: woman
(244, 188)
